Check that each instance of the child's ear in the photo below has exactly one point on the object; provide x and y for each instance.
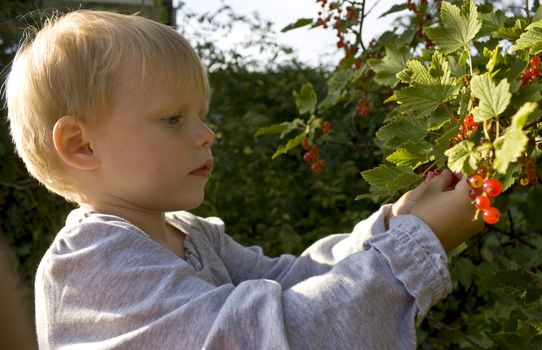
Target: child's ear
(72, 144)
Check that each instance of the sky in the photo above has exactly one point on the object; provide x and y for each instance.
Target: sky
(312, 46)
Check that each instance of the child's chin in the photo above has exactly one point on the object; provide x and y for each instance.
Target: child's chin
(193, 203)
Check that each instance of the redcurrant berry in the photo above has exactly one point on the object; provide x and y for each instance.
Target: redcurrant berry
(305, 144)
(326, 127)
(492, 187)
(322, 163)
(307, 157)
(535, 61)
(475, 181)
(474, 192)
(482, 172)
(491, 215)
(468, 121)
(482, 203)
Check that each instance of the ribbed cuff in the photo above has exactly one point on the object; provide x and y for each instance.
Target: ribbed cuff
(417, 259)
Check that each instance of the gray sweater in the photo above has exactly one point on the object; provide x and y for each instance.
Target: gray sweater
(104, 284)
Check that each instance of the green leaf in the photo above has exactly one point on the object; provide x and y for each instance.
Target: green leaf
(411, 154)
(462, 271)
(403, 181)
(538, 14)
(335, 85)
(401, 130)
(273, 129)
(305, 100)
(512, 173)
(393, 62)
(385, 178)
(422, 100)
(376, 196)
(394, 9)
(530, 39)
(297, 24)
(458, 27)
(522, 115)
(292, 143)
(462, 158)
(491, 22)
(511, 33)
(439, 118)
(493, 58)
(429, 87)
(512, 143)
(443, 142)
(493, 99)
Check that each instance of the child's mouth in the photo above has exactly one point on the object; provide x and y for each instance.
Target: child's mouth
(204, 170)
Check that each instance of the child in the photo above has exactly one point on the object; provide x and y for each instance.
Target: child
(107, 110)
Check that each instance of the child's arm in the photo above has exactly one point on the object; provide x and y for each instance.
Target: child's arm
(106, 286)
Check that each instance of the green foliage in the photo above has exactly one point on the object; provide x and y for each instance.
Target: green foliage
(458, 27)
(493, 98)
(448, 62)
(414, 91)
(275, 204)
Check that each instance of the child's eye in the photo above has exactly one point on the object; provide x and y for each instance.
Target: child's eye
(172, 121)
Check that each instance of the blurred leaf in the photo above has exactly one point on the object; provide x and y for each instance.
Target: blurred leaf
(297, 24)
(305, 99)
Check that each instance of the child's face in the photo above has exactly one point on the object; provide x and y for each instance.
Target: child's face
(154, 150)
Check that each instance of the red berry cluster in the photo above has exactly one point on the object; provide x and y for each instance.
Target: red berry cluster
(341, 20)
(421, 17)
(362, 107)
(532, 72)
(311, 156)
(482, 190)
(412, 6)
(529, 177)
(466, 129)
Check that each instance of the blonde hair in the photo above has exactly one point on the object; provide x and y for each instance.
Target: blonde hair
(73, 66)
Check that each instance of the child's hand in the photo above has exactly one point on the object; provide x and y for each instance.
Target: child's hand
(405, 204)
(444, 205)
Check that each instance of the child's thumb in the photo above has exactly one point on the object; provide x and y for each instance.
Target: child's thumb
(442, 182)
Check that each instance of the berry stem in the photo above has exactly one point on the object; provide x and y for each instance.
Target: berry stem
(360, 27)
(470, 59)
(486, 132)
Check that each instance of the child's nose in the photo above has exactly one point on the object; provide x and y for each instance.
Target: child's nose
(206, 136)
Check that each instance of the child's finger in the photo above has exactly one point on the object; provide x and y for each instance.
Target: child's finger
(442, 182)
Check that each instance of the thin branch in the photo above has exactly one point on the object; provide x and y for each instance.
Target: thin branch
(533, 123)
(535, 279)
(21, 185)
(372, 7)
(360, 39)
(516, 237)
(512, 231)
(351, 144)
(456, 332)
(44, 216)
(527, 9)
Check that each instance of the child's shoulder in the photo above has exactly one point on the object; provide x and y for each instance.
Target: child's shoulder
(91, 238)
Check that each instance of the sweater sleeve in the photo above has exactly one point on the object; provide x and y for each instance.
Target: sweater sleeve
(248, 263)
(124, 291)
